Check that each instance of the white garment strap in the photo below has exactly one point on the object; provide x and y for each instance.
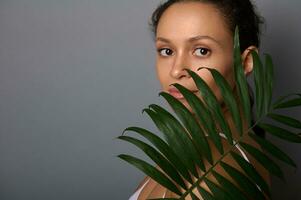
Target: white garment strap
(241, 152)
(238, 147)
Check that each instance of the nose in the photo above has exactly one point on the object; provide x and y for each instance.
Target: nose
(178, 69)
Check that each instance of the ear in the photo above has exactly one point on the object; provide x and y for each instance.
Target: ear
(247, 59)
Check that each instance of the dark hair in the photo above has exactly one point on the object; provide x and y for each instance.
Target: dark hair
(241, 13)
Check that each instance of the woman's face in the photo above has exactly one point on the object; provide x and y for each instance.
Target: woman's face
(192, 35)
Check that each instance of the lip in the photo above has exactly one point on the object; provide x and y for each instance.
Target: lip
(176, 93)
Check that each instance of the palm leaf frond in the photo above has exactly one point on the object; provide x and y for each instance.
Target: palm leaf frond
(286, 104)
(280, 132)
(289, 121)
(211, 103)
(259, 85)
(240, 79)
(269, 81)
(282, 98)
(243, 181)
(205, 194)
(183, 138)
(186, 162)
(171, 135)
(218, 192)
(204, 118)
(268, 163)
(250, 170)
(273, 150)
(151, 171)
(158, 158)
(234, 192)
(229, 100)
(165, 149)
(201, 144)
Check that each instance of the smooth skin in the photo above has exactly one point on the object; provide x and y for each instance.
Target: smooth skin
(192, 35)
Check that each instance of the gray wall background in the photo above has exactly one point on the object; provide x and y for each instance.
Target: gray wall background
(74, 74)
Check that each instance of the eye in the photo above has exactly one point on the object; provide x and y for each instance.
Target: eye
(202, 51)
(165, 52)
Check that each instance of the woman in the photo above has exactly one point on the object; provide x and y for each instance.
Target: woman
(195, 33)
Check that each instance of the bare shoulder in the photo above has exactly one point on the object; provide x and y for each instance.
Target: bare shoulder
(151, 189)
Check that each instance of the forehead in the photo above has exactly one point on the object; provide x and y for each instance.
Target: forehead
(188, 19)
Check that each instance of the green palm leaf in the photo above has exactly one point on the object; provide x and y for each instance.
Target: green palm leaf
(269, 74)
(211, 102)
(246, 184)
(234, 192)
(289, 103)
(280, 132)
(185, 147)
(204, 118)
(163, 199)
(252, 173)
(201, 143)
(158, 158)
(285, 120)
(240, 79)
(172, 136)
(259, 84)
(229, 100)
(152, 172)
(164, 149)
(193, 196)
(282, 98)
(205, 194)
(217, 192)
(273, 150)
(269, 164)
(186, 142)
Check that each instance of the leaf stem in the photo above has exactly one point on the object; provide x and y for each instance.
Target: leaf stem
(220, 159)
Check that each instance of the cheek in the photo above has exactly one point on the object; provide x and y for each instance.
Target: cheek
(228, 75)
(225, 67)
(226, 71)
(162, 75)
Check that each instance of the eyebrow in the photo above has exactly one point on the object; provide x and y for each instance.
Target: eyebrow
(192, 39)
